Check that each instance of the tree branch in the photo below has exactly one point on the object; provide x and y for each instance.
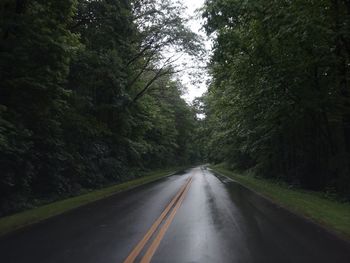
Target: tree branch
(142, 70)
(159, 74)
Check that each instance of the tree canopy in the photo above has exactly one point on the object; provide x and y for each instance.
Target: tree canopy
(278, 103)
(88, 95)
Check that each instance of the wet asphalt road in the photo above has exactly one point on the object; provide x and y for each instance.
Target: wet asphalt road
(218, 221)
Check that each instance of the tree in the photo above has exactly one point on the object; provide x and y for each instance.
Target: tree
(36, 47)
(274, 102)
(88, 96)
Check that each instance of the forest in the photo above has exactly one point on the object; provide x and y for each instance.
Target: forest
(278, 105)
(90, 93)
(87, 96)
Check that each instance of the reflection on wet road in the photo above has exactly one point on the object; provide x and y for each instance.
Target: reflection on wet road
(213, 219)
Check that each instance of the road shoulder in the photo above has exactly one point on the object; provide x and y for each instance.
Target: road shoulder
(19, 220)
(331, 215)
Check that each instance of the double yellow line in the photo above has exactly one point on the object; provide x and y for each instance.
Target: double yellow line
(171, 209)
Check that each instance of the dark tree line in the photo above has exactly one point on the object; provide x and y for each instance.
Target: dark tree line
(87, 97)
(279, 100)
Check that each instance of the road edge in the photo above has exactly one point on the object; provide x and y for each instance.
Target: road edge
(326, 228)
(17, 221)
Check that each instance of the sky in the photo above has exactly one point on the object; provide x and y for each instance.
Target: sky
(194, 90)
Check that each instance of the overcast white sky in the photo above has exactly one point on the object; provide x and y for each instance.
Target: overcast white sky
(193, 90)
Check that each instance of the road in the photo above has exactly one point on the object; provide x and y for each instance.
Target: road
(192, 216)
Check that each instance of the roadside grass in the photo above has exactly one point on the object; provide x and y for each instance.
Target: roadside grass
(25, 218)
(333, 215)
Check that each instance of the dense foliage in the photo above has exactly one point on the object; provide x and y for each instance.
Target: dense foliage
(87, 97)
(278, 103)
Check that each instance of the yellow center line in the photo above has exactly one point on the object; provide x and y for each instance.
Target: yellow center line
(138, 248)
(152, 249)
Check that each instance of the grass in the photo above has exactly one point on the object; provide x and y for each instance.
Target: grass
(333, 215)
(19, 220)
